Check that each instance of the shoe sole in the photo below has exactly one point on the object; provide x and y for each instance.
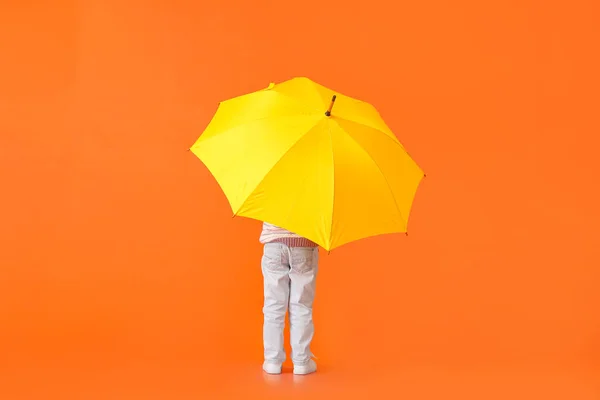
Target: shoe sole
(272, 371)
(300, 372)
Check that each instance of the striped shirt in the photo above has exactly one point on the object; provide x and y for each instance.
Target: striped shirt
(274, 234)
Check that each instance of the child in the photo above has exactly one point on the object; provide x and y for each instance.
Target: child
(289, 267)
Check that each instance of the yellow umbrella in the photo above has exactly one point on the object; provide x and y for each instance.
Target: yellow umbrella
(310, 160)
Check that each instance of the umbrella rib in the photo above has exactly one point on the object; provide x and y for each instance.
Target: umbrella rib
(333, 189)
(384, 177)
(304, 108)
(396, 141)
(316, 87)
(275, 164)
(221, 133)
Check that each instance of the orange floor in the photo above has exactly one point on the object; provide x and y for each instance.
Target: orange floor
(123, 275)
(151, 381)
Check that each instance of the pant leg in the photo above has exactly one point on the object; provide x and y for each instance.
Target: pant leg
(275, 269)
(303, 273)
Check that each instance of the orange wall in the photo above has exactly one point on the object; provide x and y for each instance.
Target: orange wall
(117, 243)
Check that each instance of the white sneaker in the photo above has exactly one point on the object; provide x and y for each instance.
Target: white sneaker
(306, 369)
(272, 368)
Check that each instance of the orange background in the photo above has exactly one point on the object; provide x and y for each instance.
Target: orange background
(123, 274)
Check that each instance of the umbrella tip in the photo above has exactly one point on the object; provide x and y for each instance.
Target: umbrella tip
(328, 112)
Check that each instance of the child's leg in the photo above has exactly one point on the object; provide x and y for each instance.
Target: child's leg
(275, 269)
(303, 273)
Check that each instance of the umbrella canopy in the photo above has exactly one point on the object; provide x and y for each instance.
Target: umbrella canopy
(310, 160)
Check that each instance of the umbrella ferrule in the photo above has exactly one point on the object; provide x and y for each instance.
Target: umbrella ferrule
(328, 112)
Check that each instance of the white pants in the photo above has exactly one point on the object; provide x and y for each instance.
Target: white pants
(289, 280)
